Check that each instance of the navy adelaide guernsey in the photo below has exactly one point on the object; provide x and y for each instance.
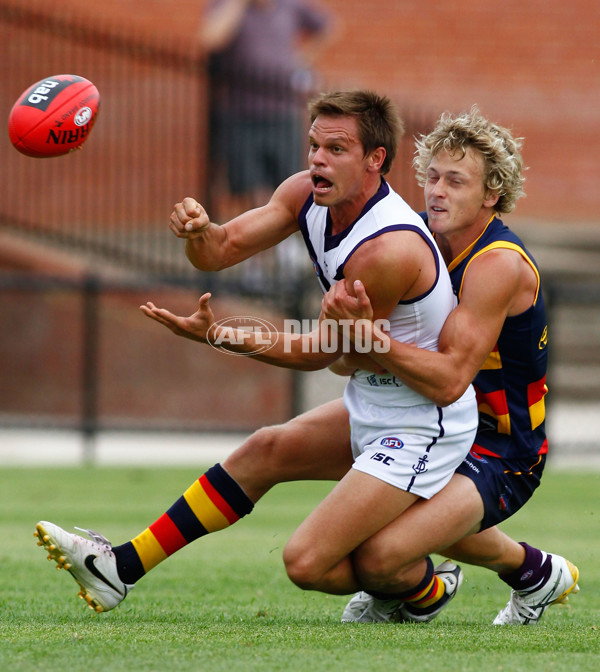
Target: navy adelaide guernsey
(511, 385)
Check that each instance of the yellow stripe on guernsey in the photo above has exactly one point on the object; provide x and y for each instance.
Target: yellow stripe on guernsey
(493, 360)
(537, 413)
(148, 549)
(536, 393)
(502, 245)
(467, 251)
(204, 509)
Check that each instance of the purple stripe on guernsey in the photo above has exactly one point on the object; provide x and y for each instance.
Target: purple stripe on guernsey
(332, 241)
(398, 227)
(309, 246)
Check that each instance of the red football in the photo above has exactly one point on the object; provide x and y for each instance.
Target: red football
(54, 116)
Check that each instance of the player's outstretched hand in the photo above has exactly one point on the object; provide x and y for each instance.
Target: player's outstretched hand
(195, 327)
(188, 219)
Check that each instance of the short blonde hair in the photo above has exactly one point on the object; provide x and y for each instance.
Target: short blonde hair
(503, 163)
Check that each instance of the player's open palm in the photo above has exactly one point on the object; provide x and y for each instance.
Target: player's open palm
(194, 327)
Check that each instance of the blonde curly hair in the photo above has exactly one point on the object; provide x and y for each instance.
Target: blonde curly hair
(503, 163)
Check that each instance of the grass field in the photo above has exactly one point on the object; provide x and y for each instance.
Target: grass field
(225, 603)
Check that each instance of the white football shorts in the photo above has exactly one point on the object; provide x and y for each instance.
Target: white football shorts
(414, 448)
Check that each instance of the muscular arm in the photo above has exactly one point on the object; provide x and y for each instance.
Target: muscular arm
(304, 352)
(211, 247)
(392, 267)
(497, 284)
(376, 260)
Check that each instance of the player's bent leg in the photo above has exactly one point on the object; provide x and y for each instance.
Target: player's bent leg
(312, 446)
(391, 565)
(392, 559)
(490, 548)
(317, 557)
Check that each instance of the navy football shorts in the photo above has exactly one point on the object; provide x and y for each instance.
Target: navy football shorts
(504, 485)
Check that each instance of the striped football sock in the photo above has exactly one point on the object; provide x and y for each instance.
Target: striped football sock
(429, 591)
(211, 503)
(423, 596)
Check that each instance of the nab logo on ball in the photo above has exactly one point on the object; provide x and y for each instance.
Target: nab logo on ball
(391, 442)
(54, 116)
(45, 92)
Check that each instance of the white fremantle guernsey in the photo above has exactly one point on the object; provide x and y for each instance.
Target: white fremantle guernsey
(418, 321)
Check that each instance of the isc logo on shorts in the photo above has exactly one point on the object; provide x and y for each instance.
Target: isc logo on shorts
(382, 457)
(391, 442)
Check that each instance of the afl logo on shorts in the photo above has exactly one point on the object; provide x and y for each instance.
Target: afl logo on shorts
(391, 442)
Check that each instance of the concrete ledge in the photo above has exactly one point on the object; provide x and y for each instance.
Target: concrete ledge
(573, 431)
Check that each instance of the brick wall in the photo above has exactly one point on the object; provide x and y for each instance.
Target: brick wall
(533, 66)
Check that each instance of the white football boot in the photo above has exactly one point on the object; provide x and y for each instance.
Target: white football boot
(452, 577)
(364, 608)
(91, 563)
(526, 607)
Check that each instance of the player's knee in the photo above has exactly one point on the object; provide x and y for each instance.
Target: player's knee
(302, 567)
(261, 442)
(370, 569)
(376, 570)
(267, 445)
(257, 456)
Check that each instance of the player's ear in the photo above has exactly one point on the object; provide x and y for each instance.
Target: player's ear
(376, 159)
(491, 198)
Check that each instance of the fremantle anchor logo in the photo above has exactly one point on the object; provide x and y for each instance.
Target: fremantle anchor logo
(421, 466)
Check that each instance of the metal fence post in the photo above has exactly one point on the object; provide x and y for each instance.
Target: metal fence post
(90, 368)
